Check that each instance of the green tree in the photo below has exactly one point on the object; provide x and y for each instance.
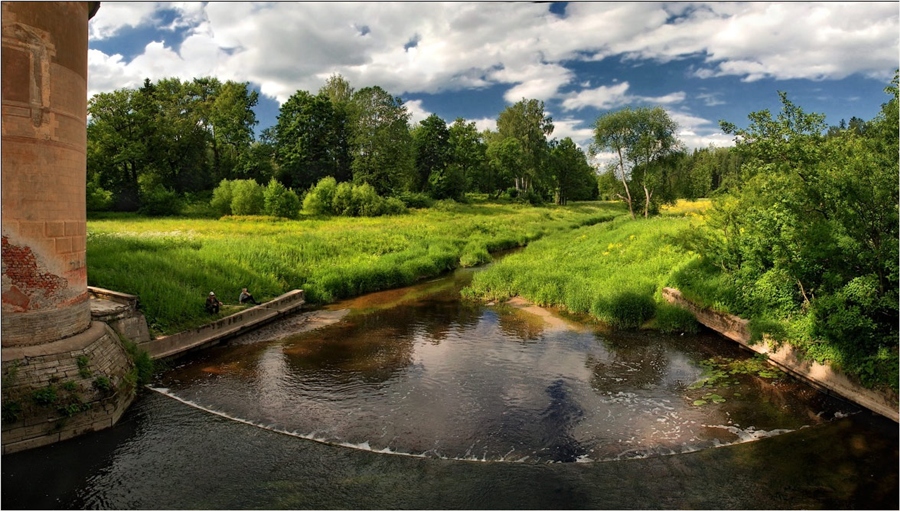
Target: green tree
(817, 218)
(120, 134)
(527, 122)
(306, 133)
(467, 153)
(381, 143)
(573, 178)
(615, 132)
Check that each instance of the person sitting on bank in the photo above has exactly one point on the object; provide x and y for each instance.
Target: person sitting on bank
(212, 303)
(247, 297)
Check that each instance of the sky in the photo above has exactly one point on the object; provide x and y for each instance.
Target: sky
(702, 62)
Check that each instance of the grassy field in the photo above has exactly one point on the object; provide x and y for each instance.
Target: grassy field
(173, 263)
(612, 271)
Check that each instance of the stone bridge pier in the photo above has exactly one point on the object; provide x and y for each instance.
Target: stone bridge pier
(63, 374)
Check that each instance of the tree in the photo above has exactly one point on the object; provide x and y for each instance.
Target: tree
(467, 152)
(526, 122)
(435, 171)
(340, 93)
(230, 120)
(573, 178)
(306, 133)
(816, 218)
(380, 141)
(643, 137)
(614, 131)
(120, 132)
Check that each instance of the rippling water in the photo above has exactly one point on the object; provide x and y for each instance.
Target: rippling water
(486, 402)
(428, 375)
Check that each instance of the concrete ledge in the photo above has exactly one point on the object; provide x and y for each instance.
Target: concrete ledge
(113, 296)
(789, 359)
(241, 322)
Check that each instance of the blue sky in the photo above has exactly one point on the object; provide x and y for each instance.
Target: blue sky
(702, 62)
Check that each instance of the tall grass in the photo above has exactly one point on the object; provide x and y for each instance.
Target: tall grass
(173, 263)
(612, 271)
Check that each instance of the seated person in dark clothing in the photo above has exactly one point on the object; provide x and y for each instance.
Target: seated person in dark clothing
(212, 303)
(247, 297)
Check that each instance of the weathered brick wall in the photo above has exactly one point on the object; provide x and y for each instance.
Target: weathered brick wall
(59, 390)
(44, 106)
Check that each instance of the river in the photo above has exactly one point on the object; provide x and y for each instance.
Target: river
(413, 398)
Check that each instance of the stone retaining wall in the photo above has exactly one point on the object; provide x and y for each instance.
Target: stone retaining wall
(225, 328)
(55, 391)
(120, 311)
(789, 359)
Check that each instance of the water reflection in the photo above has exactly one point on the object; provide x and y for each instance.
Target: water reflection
(419, 371)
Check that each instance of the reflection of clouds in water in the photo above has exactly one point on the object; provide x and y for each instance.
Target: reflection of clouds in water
(472, 382)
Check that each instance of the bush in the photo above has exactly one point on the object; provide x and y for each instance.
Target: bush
(394, 206)
(97, 198)
(222, 197)
(367, 201)
(630, 309)
(342, 203)
(320, 197)
(280, 201)
(415, 200)
(160, 201)
(248, 197)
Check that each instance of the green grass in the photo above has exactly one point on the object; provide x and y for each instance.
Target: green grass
(171, 264)
(612, 271)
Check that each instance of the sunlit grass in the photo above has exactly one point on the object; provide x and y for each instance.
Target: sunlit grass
(613, 271)
(173, 263)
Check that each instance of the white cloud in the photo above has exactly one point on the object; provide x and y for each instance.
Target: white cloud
(289, 46)
(416, 112)
(114, 16)
(605, 98)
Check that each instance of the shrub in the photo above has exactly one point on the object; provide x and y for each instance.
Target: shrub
(320, 197)
(160, 201)
(280, 201)
(415, 200)
(342, 203)
(97, 198)
(630, 309)
(394, 206)
(222, 196)
(248, 197)
(367, 200)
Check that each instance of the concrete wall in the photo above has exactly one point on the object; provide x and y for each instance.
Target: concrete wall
(790, 360)
(225, 328)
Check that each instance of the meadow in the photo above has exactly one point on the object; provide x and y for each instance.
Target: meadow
(172, 263)
(613, 271)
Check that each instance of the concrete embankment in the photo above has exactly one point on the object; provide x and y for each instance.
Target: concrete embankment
(789, 359)
(225, 328)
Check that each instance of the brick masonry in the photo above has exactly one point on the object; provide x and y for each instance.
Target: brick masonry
(44, 105)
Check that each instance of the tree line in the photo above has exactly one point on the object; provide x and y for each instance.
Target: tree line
(151, 146)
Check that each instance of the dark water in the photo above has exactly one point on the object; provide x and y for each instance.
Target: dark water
(419, 400)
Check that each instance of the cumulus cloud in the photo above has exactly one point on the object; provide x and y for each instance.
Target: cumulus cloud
(605, 98)
(524, 49)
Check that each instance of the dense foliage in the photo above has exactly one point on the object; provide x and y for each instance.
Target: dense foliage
(159, 147)
(807, 243)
